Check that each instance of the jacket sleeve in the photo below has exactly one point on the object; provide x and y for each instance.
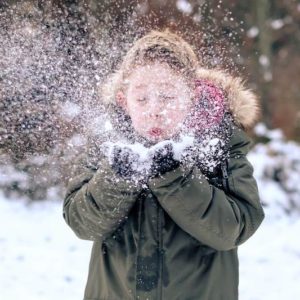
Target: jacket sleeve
(97, 201)
(221, 220)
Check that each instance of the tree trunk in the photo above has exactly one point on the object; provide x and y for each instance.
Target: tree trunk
(262, 14)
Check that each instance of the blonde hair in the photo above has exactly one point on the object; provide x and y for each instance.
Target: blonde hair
(162, 46)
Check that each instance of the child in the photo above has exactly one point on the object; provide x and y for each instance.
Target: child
(172, 230)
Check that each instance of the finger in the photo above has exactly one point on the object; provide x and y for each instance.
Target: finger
(116, 152)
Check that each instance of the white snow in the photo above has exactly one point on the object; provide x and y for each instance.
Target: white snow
(184, 6)
(253, 32)
(145, 153)
(108, 126)
(143, 156)
(70, 110)
(264, 61)
(8, 174)
(270, 260)
(40, 258)
(277, 170)
(277, 24)
(268, 76)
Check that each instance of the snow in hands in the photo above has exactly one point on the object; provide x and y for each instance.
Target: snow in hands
(138, 162)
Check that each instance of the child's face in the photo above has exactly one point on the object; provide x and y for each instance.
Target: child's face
(158, 100)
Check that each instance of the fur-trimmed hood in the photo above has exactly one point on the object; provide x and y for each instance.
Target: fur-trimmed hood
(242, 102)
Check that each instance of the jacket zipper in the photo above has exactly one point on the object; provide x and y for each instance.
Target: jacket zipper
(225, 176)
(138, 243)
(160, 252)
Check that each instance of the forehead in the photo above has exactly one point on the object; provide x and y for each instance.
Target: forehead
(156, 73)
(166, 84)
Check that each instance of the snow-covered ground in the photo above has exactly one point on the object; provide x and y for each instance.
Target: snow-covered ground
(270, 261)
(42, 259)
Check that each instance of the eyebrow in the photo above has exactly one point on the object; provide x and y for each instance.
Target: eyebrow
(139, 86)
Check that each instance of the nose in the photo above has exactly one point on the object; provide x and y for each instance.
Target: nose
(155, 112)
(156, 108)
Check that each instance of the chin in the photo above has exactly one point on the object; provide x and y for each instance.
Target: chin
(155, 138)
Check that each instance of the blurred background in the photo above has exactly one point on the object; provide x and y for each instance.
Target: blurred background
(54, 55)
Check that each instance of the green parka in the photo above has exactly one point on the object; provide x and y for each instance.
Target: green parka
(175, 238)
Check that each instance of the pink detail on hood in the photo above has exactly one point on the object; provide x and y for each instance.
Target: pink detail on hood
(209, 107)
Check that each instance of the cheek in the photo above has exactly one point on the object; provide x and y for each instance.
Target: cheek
(174, 117)
(178, 110)
(137, 116)
(140, 112)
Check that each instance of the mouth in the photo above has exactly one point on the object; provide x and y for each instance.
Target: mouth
(155, 132)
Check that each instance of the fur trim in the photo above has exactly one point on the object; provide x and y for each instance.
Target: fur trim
(243, 103)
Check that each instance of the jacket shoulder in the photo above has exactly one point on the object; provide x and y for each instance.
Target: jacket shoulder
(240, 143)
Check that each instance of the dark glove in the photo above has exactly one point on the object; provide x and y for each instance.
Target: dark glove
(163, 161)
(215, 153)
(123, 160)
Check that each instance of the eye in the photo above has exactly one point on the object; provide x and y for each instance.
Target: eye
(167, 98)
(141, 99)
